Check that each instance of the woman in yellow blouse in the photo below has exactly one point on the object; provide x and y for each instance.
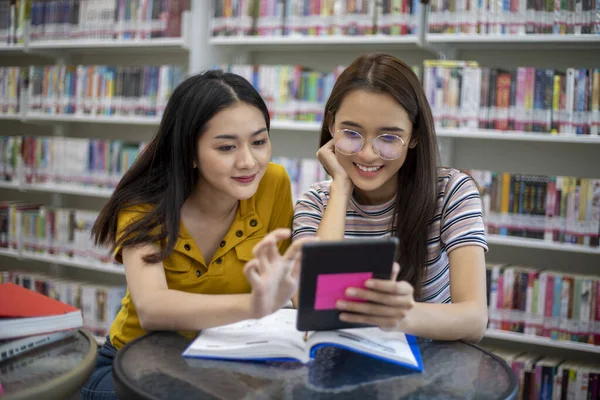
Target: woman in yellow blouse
(199, 221)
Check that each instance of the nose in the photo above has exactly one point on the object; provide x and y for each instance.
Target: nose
(367, 154)
(245, 159)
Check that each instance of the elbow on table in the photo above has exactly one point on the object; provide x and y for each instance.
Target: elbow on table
(478, 328)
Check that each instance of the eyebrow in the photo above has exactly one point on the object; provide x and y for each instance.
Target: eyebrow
(385, 128)
(234, 137)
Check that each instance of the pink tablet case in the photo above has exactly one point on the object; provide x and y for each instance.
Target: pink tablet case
(332, 287)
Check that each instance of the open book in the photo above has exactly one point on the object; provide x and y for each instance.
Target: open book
(275, 338)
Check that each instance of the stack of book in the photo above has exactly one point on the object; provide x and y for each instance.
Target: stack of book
(29, 320)
(99, 304)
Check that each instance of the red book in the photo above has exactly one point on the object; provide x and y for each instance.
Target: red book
(24, 313)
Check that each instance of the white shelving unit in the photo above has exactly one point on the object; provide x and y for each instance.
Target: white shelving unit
(93, 119)
(63, 260)
(541, 341)
(510, 42)
(541, 245)
(110, 45)
(320, 43)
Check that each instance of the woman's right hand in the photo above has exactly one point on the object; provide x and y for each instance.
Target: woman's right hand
(273, 277)
(327, 158)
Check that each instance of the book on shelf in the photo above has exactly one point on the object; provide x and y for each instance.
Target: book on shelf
(555, 209)
(541, 377)
(24, 312)
(463, 94)
(545, 303)
(315, 18)
(514, 18)
(100, 90)
(35, 230)
(275, 338)
(105, 19)
(85, 162)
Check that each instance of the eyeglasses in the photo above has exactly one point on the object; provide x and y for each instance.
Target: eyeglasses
(386, 146)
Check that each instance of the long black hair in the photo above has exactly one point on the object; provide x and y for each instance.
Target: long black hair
(163, 174)
(417, 179)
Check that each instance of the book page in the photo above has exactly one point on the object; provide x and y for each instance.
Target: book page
(391, 346)
(274, 336)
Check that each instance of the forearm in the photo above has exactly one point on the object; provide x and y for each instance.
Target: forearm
(333, 222)
(446, 321)
(180, 311)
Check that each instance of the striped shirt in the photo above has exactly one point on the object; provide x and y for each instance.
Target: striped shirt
(457, 221)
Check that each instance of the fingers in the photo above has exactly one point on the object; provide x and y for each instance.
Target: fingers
(371, 309)
(392, 300)
(251, 272)
(383, 322)
(395, 272)
(268, 245)
(391, 287)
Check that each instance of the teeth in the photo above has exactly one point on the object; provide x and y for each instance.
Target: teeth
(367, 169)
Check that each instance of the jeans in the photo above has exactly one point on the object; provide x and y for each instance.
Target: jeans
(100, 384)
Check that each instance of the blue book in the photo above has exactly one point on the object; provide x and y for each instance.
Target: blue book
(275, 338)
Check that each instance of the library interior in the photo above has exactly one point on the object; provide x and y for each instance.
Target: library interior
(229, 271)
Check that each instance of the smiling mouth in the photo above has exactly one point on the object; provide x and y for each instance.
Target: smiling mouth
(367, 169)
(244, 179)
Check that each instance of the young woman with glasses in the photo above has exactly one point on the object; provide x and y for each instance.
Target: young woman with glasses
(378, 144)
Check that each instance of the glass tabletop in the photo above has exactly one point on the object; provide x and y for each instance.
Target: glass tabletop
(152, 367)
(57, 368)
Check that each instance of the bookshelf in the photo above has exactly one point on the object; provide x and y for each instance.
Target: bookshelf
(541, 341)
(299, 139)
(62, 188)
(514, 42)
(540, 244)
(322, 43)
(66, 261)
(111, 46)
(32, 117)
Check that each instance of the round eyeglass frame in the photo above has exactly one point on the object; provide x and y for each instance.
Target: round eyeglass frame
(363, 140)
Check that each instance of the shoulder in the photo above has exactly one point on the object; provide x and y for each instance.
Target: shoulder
(317, 193)
(451, 182)
(275, 178)
(129, 214)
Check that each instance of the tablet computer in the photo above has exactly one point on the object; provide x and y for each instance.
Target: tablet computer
(329, 268)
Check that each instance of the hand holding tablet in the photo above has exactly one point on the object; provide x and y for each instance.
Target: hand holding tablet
(330, 268)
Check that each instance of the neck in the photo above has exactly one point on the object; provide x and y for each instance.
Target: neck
(205, 200)
(381, 195)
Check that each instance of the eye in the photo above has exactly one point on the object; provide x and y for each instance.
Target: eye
(390, 138)
(260, 142)
(226, 148)
(350, 134)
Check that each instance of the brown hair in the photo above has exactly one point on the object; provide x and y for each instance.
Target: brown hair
(417, 179)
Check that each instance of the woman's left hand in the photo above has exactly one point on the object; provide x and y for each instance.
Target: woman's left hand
(387, 302)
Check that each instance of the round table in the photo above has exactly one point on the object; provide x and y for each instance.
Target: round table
(55, 371)
(151, 367)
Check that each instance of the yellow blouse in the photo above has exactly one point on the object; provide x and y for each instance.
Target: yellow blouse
(187, 270)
